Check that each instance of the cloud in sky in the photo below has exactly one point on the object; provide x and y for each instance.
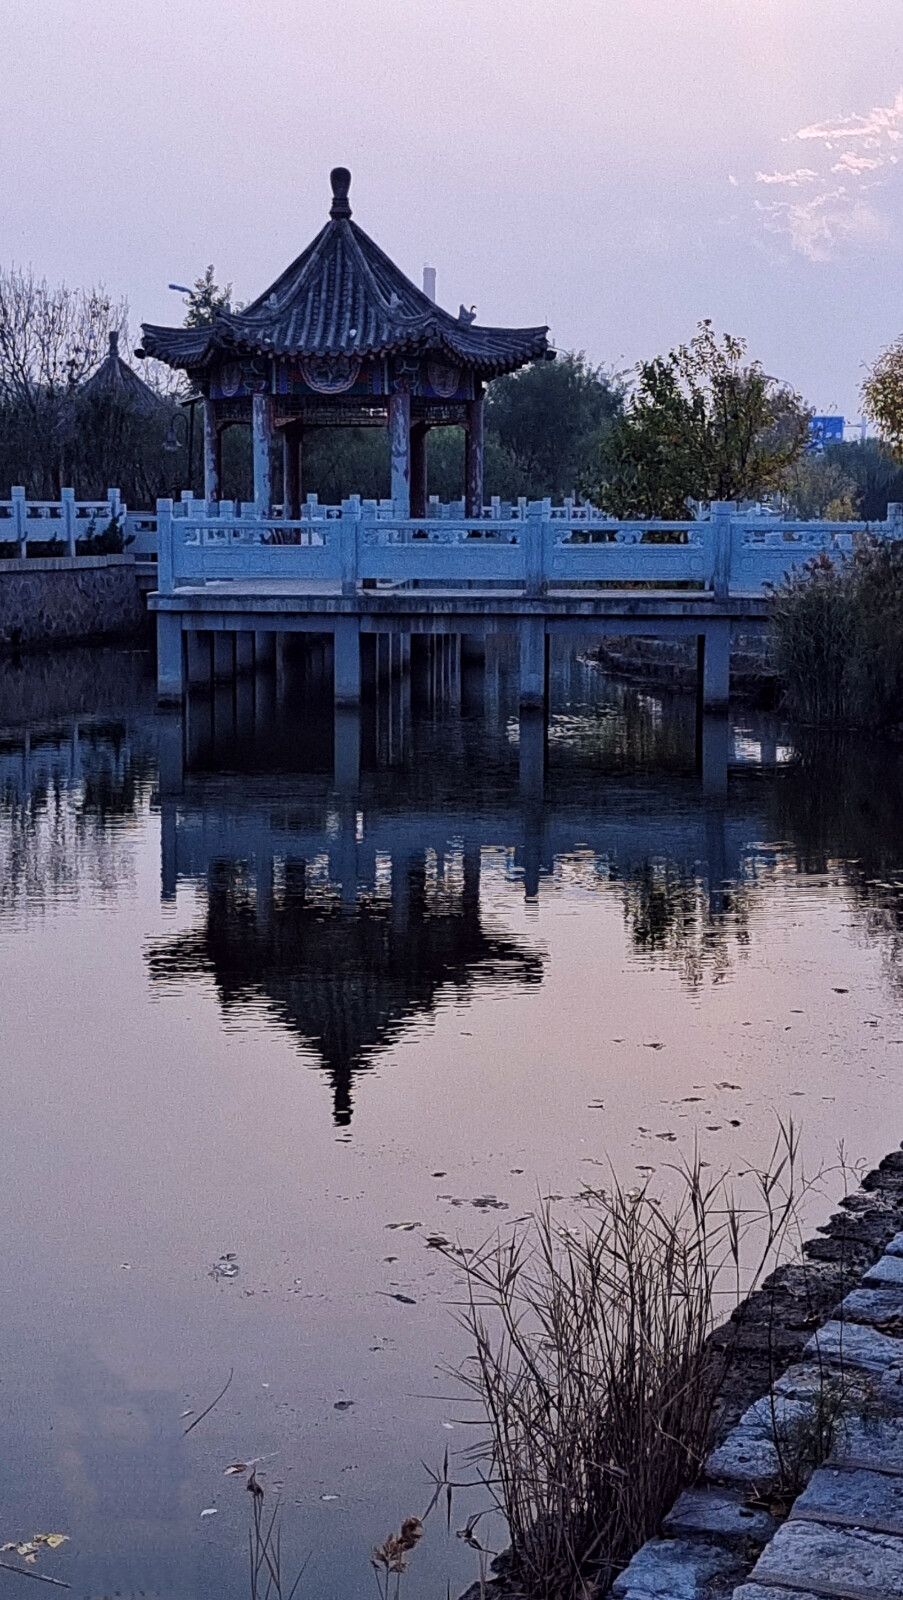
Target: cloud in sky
(793, 179)
(881, 125)
(837, 217)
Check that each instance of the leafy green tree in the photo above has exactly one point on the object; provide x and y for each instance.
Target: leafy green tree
(882, 396)
(868, 465)
(701, 424)
(818, 485)
(548, 419)
(206, 299)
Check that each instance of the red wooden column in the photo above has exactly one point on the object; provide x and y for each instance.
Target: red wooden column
(261, 439)
(473, 456)
(213, 472)
(291, 471)
(419, 432)
(400, 449)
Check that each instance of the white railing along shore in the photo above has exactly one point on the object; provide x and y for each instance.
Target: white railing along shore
(528, 545)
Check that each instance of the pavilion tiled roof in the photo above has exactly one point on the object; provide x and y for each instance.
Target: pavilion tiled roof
(114, 379)
(343, 296)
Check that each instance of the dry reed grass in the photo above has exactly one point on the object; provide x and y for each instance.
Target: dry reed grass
(592, 1364)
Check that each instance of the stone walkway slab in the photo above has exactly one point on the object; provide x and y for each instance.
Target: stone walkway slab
(842, 1562)
(889, 1270)
(880, 1308)
(720, 1514)
(857, 1499)
(854, 1344)
(679, 1569)
(876, 1444)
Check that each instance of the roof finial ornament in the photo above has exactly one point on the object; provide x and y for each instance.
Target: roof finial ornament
(340, 178)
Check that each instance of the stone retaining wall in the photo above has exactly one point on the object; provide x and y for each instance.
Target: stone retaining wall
(61, 600)
(730, 1537)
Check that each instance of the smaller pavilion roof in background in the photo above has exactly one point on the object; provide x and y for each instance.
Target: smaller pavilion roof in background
(343, 296)
(114, 379)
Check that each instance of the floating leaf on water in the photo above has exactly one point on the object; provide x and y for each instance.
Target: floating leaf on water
(403, 1227)
(52, 1540)
(329, 1497)
(209, 1511)
(653, 1044)
(237, 1468)
(727, 1085)
(342, 1405)
(671, 1136)
(436, 1241)
(225, 1267)
(188, 1413)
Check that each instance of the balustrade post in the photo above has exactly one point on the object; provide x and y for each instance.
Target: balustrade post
(534, 536)
(165, 547)
(67, 498)
(349, 526)
(20, 520)
(722, 513)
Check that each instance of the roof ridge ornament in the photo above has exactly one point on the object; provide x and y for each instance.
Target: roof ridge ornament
(340, 178)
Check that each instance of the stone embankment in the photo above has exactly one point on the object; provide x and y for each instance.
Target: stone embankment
(744, 1532)
(64, 600)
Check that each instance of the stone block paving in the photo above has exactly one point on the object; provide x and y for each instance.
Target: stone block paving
(843, 1537)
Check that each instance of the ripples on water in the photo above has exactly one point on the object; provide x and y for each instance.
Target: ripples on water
(254, 1002)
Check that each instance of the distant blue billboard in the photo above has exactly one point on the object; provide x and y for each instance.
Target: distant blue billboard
(825, 430)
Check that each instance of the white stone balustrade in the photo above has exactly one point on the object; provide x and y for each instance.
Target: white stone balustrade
(67, 520)
(528, 547)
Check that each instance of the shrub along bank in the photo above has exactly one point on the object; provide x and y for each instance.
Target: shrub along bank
(837, 638)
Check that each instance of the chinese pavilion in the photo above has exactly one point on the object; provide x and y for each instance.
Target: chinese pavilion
(344, 339)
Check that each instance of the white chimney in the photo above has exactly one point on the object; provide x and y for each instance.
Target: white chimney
(429, 282)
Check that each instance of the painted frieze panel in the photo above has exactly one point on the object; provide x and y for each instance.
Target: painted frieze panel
(443, 380)
(235, 380)
(330, 375)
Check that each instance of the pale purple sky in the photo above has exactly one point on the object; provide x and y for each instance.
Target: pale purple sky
(616, 168)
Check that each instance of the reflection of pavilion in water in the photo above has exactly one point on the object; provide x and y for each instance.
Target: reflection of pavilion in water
(341, 853)
(345, 978)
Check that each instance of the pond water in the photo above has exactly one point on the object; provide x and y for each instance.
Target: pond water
(264, 1010)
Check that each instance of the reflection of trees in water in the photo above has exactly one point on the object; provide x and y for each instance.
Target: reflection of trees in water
(629, 729)
(839, 807)
(678, 918)
(66, 804)
(346, 979)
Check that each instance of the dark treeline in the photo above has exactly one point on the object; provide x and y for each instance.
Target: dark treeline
(703, 422)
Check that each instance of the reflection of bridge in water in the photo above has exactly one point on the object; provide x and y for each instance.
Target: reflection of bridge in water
(344, 897)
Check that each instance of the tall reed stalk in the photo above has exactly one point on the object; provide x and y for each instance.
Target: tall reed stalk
(592, 1365)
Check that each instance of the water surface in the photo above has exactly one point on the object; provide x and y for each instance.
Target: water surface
(258, 1002)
